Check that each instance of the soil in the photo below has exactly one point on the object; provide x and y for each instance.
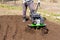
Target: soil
(12, 28)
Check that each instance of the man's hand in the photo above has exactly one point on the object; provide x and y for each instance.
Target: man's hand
(39, 3)
(24, 1)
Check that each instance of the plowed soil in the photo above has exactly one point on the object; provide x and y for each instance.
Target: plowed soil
(12, 28)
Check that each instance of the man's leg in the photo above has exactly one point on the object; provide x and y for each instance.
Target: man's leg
(31, 7)
(24, 12)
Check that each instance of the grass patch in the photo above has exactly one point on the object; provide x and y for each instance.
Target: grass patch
(10, 7)
(50, 16)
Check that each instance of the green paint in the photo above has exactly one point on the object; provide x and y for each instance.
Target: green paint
(37, 25)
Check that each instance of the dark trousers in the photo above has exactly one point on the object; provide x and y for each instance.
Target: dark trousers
(25, 5)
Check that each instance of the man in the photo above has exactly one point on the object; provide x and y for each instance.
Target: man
(28, 3)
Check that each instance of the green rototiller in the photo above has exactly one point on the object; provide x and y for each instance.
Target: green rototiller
(37, 21)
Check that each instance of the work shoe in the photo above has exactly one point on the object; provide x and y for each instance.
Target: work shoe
(25, 19)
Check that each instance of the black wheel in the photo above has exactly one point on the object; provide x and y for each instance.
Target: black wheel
(44, 30)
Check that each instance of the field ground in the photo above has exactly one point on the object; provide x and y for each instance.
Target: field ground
(12, 28)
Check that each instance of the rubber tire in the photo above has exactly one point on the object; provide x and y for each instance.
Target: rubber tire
(44, 30)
